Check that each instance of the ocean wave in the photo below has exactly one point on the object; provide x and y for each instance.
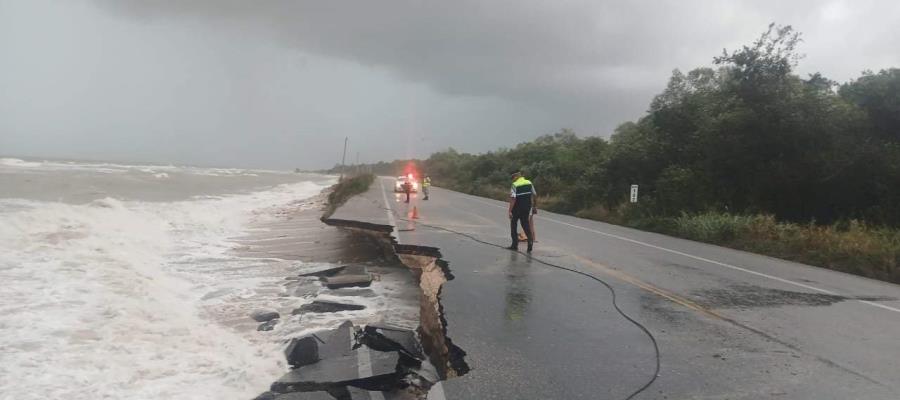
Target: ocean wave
(18, 163)
(111, 168)
(108, 299)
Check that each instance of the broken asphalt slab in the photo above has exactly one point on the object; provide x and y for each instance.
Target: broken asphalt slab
(310, 349)
(341, 371)
(327, 306)
(362, 394)
(336, 360)
(342, 276)
(317, 395)
(386, 338)
(323, 272)
(343, 281)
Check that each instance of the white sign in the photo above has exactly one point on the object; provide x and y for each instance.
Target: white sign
(634, 193)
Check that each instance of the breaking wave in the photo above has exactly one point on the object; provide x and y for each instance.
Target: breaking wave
(107, 298)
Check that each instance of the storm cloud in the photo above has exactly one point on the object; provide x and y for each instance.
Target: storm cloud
(280, 83)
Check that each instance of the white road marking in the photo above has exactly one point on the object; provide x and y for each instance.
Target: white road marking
(387, 210)
(719, 263)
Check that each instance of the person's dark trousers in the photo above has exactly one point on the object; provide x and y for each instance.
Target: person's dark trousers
(407, 196)
(520, 218)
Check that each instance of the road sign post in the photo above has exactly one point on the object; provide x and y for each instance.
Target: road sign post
(634, 193)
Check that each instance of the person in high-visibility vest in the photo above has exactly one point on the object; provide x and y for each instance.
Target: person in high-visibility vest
(426, 184)
(522, 204)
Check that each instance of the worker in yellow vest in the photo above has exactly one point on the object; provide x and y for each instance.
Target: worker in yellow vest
(426, 184)
(522, 204)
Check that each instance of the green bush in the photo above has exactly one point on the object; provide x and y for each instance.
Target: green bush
(712, 227)
(850, 246)
(596, 212)
(346, 189)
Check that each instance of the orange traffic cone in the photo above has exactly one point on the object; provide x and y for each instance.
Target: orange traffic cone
(415, 213)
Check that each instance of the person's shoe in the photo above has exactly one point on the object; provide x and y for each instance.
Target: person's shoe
(529, 249)
(513, 248)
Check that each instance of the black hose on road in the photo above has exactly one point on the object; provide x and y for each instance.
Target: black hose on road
(612, 292)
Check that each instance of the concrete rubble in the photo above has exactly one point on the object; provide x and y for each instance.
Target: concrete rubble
(350, 362)
(342, 276)
(350, 276)
(373, 361)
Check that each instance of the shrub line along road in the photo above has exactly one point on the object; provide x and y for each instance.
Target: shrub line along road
(730, 324)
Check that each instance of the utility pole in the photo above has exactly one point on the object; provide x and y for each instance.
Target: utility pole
(357, 162)
(343, 159)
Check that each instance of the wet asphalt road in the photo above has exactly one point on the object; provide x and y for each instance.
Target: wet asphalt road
(730, 324)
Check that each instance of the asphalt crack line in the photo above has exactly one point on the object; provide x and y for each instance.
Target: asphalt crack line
(437, 391)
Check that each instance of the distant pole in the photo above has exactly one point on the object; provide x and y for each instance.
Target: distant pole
(343, 158)
(357, 162)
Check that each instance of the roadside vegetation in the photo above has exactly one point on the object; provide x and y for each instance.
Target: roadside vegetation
(849, 246)
(744, 153)
(345, 189)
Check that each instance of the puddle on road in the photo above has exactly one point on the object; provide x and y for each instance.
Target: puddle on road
(663, 309)
(749, 296)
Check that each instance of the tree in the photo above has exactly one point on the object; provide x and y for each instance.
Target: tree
(746, 135)
(879, 95)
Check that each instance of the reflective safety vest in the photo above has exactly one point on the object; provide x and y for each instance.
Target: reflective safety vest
(426, 182)
(523, 190)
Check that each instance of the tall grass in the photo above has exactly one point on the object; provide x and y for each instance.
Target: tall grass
(849, 246)
(713, 227)
(346, 189)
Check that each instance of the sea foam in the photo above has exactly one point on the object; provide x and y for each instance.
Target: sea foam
(111, 299)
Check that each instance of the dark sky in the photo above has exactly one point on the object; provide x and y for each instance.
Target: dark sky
(279, 84)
